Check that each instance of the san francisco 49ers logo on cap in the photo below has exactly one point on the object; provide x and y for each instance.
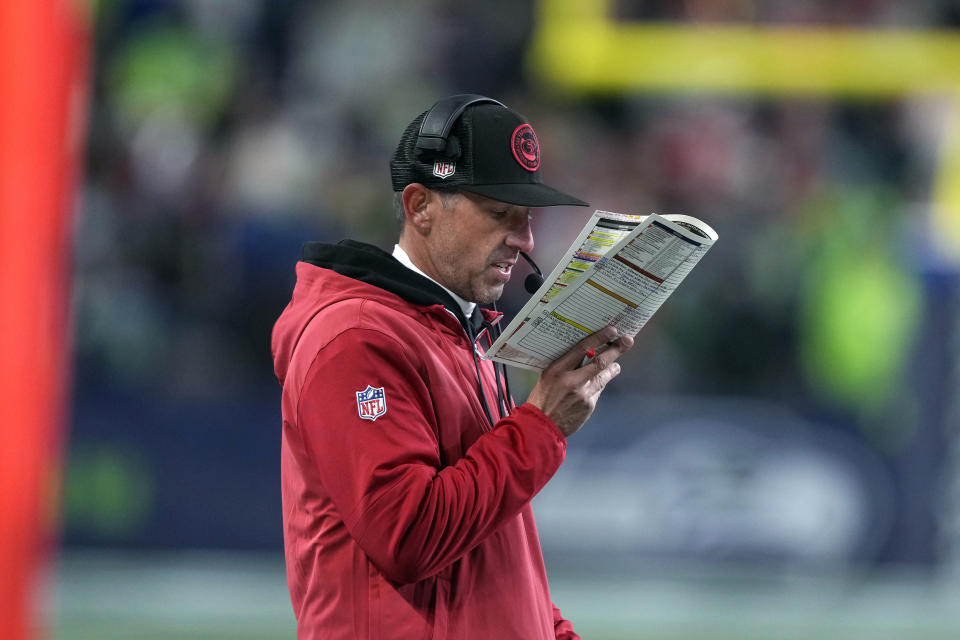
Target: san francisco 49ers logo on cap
(525, 147)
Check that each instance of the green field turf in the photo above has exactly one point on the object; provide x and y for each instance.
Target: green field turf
(218, 596)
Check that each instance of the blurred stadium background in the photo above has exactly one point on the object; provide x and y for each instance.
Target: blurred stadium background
(780, 457)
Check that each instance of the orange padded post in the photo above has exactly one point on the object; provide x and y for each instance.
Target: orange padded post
(43, 68)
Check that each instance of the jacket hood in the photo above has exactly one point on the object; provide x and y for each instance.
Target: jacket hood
(365, 265)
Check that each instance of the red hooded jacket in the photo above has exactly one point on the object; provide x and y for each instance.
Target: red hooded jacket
(406, 514)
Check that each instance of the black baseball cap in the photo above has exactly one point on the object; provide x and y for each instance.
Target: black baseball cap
(491, 150)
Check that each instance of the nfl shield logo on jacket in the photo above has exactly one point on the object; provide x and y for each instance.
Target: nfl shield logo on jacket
(371, 403)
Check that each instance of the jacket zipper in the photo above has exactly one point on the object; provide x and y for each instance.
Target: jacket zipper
(476, 362)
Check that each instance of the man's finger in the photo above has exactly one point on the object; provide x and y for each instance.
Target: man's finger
(572, 359)
(603, 377)
(611, 352)
(617, 349)
(603, 359)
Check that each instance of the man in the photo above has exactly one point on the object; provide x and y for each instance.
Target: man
(407, 472)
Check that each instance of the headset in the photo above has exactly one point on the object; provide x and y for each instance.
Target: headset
(434, 137)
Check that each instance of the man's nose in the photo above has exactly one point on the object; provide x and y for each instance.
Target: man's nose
(521, 236)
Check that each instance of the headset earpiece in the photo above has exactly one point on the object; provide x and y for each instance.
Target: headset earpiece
(434, 138)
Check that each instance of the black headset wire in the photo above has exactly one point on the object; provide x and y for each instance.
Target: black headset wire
(505, 403)
(476, 364)
(504, 399)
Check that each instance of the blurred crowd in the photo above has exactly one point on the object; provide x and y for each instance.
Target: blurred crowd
(224, 134)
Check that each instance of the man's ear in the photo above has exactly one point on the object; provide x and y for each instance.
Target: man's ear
(416, 206)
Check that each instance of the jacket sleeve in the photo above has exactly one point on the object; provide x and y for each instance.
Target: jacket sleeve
(411, 515)
(563, 628)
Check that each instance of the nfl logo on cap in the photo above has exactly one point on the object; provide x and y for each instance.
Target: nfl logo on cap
(444, 170)
(371, 403)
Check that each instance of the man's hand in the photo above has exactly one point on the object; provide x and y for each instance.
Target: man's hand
(567, 392)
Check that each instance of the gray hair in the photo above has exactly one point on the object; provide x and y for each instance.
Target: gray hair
(398, 213)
